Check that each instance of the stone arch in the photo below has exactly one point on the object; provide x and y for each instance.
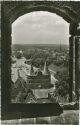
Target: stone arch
(67, 10)
(17, 9)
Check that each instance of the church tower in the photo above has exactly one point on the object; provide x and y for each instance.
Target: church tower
(46, 71)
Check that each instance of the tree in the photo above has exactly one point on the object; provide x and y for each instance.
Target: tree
(62, 85)
(18, 55)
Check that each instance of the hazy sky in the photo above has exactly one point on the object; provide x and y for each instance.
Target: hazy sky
(40, 27)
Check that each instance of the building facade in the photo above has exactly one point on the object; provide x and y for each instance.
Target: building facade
(39, 79)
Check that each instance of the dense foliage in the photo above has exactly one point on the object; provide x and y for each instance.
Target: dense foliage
(62, 85)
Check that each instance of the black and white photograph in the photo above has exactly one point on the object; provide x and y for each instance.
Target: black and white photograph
(40, 59)
(40, 62)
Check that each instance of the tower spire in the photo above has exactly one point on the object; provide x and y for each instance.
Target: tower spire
(60, 46)
(46, 71)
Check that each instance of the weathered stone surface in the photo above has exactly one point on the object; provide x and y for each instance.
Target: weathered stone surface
(68, 117)
(70, 11)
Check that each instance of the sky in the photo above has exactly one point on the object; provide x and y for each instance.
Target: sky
(40, 28)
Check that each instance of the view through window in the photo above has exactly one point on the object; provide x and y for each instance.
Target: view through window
(40, 59)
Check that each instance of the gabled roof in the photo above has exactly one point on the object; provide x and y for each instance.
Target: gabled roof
(19, 86)
(30, 97)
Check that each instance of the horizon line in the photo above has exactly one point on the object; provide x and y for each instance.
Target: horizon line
(39, 44)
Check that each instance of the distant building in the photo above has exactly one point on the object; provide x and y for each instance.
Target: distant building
(39, 79)
(35, 88)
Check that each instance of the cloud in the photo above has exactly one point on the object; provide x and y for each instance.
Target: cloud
(40, 27)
